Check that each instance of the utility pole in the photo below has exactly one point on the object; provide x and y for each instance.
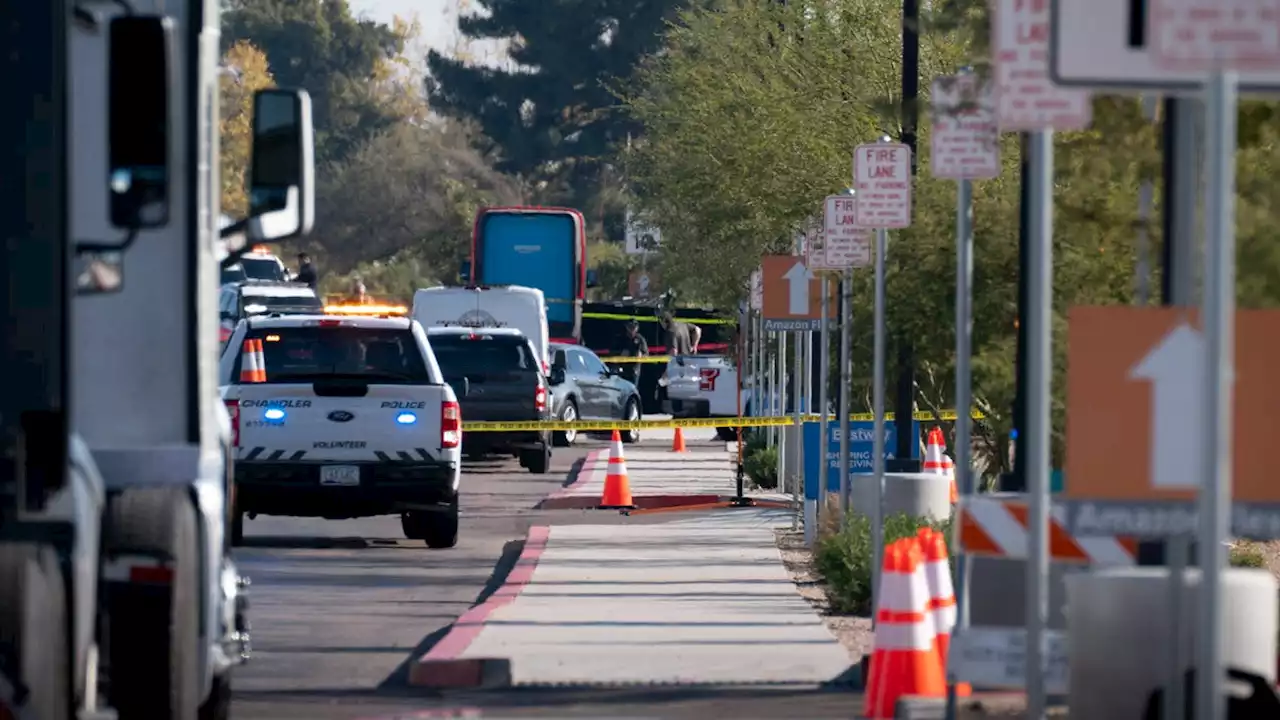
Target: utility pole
(905, 396)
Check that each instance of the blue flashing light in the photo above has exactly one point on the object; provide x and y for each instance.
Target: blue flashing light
(273, 414)
(406, 418)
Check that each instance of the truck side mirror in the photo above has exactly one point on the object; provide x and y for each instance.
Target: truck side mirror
(464, 272)
(139, 120)
(282, 173)
(593, 279)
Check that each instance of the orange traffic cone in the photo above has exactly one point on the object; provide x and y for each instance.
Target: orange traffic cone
(937, 568)
(905, 658)
(936, 461)
(248, 363)
(617, 488)
(677, 442)
(261, 360)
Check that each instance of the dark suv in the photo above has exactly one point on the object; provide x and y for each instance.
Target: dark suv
(497, 377)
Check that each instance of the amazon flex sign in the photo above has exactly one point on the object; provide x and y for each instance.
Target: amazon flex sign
(1135, 438)
(792, 294)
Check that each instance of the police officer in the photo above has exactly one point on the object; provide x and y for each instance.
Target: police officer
(631, 344)
(682, 338)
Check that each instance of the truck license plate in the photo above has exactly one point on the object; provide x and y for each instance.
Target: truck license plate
(344, 475)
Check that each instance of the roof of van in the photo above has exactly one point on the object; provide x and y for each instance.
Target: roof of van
(472, 330)
(519, 289)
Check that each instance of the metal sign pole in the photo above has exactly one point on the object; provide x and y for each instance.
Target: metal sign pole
(797, 445)
(824, 355)
(846, 332)
(964, 392)
(1036, 434)
(784, 452)
(877, 402)
(1219, 330)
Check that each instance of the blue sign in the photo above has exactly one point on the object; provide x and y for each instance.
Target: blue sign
(861, 437)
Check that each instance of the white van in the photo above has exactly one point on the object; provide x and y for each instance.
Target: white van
(515, 306)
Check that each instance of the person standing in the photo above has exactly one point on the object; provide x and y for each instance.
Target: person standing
(306, 271)
(682, 337)
(632, 344)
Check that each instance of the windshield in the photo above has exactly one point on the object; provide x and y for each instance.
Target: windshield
(259, 304)
(263, 269)
(313, 354)
(233, 274)
(481, 354)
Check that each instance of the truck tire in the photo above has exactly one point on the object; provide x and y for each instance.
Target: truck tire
(237, 528)
(727, 434)
(34, 627)
(439, 530)
(154, 630)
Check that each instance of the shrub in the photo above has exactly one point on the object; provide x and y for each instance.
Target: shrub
(761, 466)
(1247, 557)
(844, 557)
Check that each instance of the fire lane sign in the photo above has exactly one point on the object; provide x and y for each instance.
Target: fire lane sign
(1199, 34)
(882, 177)
(965, 143)
(846, 244)
(1026, 98)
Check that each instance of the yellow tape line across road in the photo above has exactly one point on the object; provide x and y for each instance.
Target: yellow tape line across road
(630, 359)
(716, 422)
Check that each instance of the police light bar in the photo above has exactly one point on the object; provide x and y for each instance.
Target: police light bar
(260, 250)
(366, 310)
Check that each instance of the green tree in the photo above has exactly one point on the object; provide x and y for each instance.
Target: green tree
(401, 206)
(751, 114)
(245, 72)
(321, 47)
(551, 118)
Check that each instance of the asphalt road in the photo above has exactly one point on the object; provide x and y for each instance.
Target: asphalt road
(339, 608)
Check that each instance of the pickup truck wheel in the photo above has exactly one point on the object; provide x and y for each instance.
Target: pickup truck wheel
(154, 663)
(442, 531)
(727, 434)
(631, 414)
(566, 438)
(538, 462)
(33, 627)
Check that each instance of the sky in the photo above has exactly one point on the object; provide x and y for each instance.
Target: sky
(438, 18)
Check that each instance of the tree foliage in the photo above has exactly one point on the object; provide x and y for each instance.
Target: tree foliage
(406, 199)
(551, 118)
(340, 60)
(751, 114)
(245, 72)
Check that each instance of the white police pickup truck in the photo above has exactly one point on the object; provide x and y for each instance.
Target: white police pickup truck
(342, 415)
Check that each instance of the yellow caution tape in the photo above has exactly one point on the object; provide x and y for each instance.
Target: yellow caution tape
(649, 318)
(620, 359)
(714, 422)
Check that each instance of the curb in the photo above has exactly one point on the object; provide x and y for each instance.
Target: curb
(589, 463)
(641, 502)
(443, 668)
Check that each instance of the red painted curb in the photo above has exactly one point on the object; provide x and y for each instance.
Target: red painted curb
(643, 502)
(442, 667)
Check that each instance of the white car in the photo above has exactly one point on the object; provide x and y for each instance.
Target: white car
(348, 416)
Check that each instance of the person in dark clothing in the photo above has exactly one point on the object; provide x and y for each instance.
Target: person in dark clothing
(632, 344)
(306, 271)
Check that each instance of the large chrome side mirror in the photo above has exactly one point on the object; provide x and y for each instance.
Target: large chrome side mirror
(282, 172)
(141, 58)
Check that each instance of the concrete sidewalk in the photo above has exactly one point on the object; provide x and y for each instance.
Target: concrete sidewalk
(701, 600)
(658, 478)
